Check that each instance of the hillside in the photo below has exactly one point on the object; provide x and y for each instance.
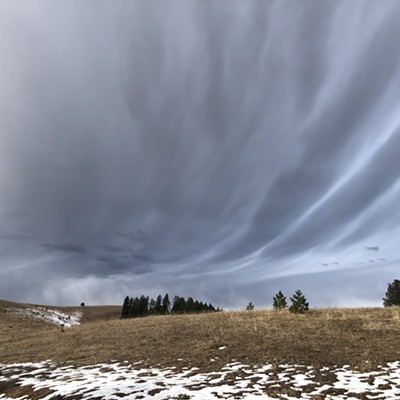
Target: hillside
(233, 355)
(357, 337)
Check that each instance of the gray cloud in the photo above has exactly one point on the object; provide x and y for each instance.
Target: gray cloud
(65, 247)
(11, 236)
(207, 146)
(372, 248)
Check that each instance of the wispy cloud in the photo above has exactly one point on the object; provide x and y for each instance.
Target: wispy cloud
(203, 146)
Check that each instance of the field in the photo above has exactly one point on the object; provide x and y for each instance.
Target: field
(363, 340)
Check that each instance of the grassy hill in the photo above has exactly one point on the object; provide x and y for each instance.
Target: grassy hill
(362, 338)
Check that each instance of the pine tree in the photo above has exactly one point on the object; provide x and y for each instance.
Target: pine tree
(181, 305)
(125, 308)
(158, 306)
(152, 306)
(166, 305)
(189, 305)
(392, 297)
(143, 305)
(134, 307)
(250, 306)
(196, 308)
(299, 303)
(175, 304)
(279, 301)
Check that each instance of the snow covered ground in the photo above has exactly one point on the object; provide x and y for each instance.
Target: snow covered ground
(234, 381)
(48, 315)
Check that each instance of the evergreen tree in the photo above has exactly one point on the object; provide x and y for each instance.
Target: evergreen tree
(125, 308)
(196, 308)
(181, 307)
(158, 306)
(152, 306)
(392, 297)
(250, 306)
(279, 301)
(143, 305)
(175, 304)
(189, 305)
(134, 307)
(299, 303)
(166, 305)
(130, 315)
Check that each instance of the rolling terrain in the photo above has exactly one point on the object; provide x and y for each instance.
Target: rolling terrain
(365, 340)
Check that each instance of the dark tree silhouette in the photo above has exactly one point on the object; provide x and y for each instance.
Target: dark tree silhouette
(392, 297)
(143, 306)
(250, 306)
(125, 308)
(299, 303)
(152, 306)
(158, 307)
(166, 305)
(279, 301)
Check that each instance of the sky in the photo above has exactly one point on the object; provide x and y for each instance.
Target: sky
(220, 150)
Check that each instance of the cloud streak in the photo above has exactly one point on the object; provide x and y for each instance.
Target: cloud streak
(206, 146)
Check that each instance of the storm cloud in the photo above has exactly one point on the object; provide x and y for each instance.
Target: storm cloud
(220, 150)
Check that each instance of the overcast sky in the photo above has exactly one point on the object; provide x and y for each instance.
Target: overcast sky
(223, 150)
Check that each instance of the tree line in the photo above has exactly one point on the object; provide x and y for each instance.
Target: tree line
(143, 306)
(300, 304)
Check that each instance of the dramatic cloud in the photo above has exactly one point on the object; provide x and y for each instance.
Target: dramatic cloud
(224, 151)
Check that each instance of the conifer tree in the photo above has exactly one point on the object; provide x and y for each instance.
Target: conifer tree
(158, 306)
(125, 308)
(392, 297)
(134, 307)
(152, 306)
(166, 305)
(181, 305)
(196, 308)
(189, 305)
(250, 306)
(143, 305)
(175, 304)
(299, 303)
(279, 301)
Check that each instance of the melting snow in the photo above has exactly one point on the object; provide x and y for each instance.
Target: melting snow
(130, 381)
(49, 315)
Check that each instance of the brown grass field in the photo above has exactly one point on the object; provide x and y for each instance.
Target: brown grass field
(362, 338)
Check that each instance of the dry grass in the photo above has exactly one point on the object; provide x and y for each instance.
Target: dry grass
(362, 338)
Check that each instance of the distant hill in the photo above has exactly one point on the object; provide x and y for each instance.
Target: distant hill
(88, 313)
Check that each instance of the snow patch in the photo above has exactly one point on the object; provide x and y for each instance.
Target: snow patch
(48, 315)
(235, 380)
